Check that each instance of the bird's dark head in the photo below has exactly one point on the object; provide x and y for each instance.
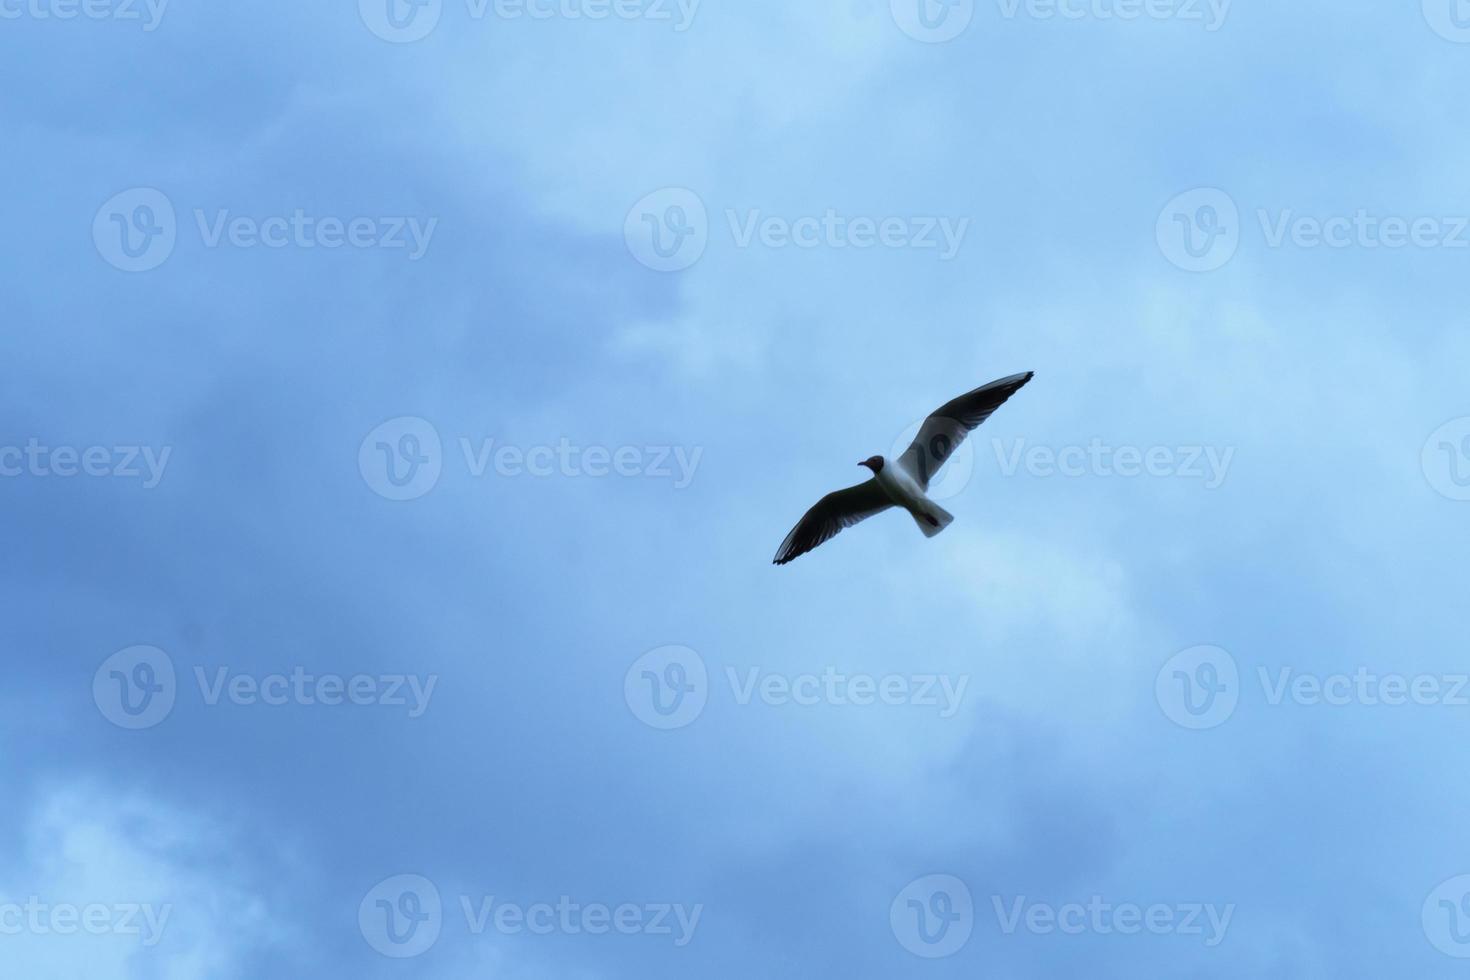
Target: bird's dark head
(874, 463)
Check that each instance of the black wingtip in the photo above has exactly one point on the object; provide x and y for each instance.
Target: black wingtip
(1013, 381)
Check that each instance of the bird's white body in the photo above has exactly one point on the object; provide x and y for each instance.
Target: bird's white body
(901, 488)
(905, 492)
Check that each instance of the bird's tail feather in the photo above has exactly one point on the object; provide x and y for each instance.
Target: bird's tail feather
(932, 519)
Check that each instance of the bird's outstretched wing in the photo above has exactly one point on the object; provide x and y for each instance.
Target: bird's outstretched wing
(837, 510)
(943, 431)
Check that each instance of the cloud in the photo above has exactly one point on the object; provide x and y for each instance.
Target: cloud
(171, 894)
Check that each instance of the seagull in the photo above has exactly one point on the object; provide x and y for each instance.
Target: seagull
(902, 482)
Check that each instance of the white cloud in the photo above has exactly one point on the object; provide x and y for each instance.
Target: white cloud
(177, 903)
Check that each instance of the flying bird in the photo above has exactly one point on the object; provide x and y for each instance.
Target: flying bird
(904, 481)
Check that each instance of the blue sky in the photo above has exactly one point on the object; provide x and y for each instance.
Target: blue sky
(390, 512)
